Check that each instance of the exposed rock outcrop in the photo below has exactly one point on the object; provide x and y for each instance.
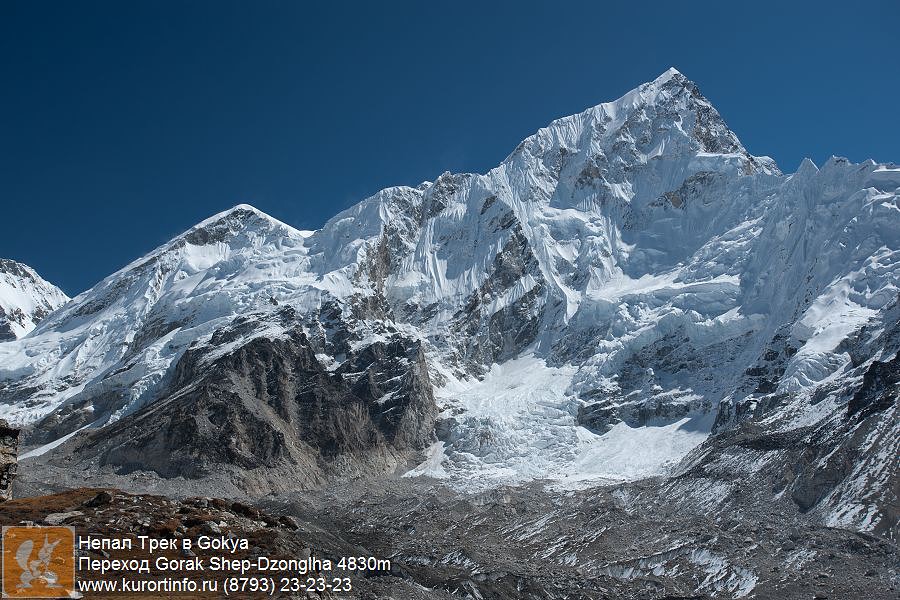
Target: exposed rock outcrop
(9, 446)
(272, 409)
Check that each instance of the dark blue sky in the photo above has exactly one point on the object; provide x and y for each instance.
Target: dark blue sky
(124, 123)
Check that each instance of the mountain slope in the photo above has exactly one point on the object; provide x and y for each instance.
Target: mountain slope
(626, 282)
(25, 299)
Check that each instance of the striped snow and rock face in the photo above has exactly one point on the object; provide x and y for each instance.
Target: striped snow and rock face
(628, 280)
(25, 299)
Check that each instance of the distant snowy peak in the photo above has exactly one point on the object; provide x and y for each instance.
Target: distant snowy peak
(25, 299)
(667, 118)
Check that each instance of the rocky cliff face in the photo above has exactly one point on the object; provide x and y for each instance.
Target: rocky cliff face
(9, 448)
(271, 413)
(628, 281)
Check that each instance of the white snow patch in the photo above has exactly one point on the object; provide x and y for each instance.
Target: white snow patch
(41, 450)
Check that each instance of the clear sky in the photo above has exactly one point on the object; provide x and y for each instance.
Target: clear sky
(124, 123)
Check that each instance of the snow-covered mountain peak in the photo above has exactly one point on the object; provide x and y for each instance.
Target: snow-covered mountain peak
(240, 220)
(18, 270)
(668, 74)
(661, 90)
(239, 213)
(233, 247)
(638, 147)
(25, 299)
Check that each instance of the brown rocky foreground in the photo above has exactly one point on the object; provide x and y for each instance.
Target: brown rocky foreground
(113, 514)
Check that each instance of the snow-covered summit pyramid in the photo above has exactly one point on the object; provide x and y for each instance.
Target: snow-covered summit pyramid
(625, 278)
(25, 299)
